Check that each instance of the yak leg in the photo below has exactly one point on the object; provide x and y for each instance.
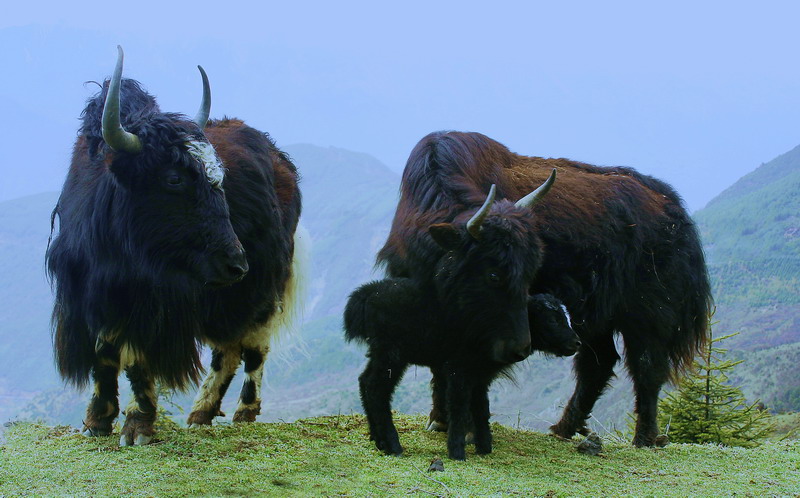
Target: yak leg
(140, 414)
(207, 404)
(459, 413)
(649, 372)
(250, 398)
(482, 433)
(437, 420)
(377, 383)
(594, 367)
(104, 405)
(255, 346)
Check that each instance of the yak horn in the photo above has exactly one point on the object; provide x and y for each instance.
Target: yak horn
(474, 223)
(205, 106)
(529, 200)
(113, 133)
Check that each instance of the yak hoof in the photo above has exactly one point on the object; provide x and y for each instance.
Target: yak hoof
(95, 432)
(142, 440)
(459, 454)
(139, 440)
(199, 417)
(469, 438)
(564, 434)
(246, 415)
(436, 426)
(390, 447)
(644, 441)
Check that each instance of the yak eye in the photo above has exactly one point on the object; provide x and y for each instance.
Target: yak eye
(174, 180)
(493, 276)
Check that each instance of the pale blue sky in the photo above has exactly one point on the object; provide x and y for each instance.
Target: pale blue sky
(696, 93)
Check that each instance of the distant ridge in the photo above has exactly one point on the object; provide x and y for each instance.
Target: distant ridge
(758, 217)
(775, 170)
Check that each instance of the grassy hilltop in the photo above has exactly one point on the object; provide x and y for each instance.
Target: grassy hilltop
(333, 456)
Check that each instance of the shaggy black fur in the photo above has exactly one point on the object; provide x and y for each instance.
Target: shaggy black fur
(145, 248)
(403, 323)
(617, 247)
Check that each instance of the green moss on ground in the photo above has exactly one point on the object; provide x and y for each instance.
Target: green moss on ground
(333, 456)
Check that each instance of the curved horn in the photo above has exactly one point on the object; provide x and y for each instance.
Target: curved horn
(474, 223)
(205, 106)
(529, 200)
(113, 133)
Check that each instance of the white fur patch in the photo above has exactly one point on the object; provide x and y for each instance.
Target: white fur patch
(566, 314)
(205, 153)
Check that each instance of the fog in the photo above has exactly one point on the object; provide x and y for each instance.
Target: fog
(695, 94)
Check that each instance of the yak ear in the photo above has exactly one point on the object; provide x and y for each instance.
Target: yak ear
(445, 235)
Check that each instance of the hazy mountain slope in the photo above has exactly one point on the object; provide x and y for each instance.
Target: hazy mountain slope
(25, 361)
(758, 217)
(348, 202)
(751, 232)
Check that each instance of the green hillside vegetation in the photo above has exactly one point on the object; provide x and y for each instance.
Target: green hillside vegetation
(759, 282)
(758, 217)
(751, 233)
(333, 456)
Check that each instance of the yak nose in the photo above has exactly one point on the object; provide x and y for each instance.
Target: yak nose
(512, 353)
(521, 353)
(571, 347)
(236, 265)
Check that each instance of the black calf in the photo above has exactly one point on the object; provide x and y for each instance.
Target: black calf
(402, 324)
(551, 333)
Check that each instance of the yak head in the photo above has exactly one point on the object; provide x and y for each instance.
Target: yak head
(483, 279)
(169, 203)
(551, 326)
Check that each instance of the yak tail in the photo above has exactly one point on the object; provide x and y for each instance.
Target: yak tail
(73, 348)
(355, 315)
(289, 316)
(696, 326)
(697, 311)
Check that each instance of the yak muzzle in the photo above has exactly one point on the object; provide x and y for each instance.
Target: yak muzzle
(506, 352)
(230, 266)
(570, 348)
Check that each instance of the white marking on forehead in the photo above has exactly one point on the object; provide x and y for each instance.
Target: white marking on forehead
(566, 314)
(205, 153)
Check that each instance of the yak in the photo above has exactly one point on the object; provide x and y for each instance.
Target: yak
(403, 323)
(172, 233)
(469, 321)
(616, 246)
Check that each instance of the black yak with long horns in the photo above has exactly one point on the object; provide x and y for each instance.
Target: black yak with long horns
(617, 247)
(172, 232)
